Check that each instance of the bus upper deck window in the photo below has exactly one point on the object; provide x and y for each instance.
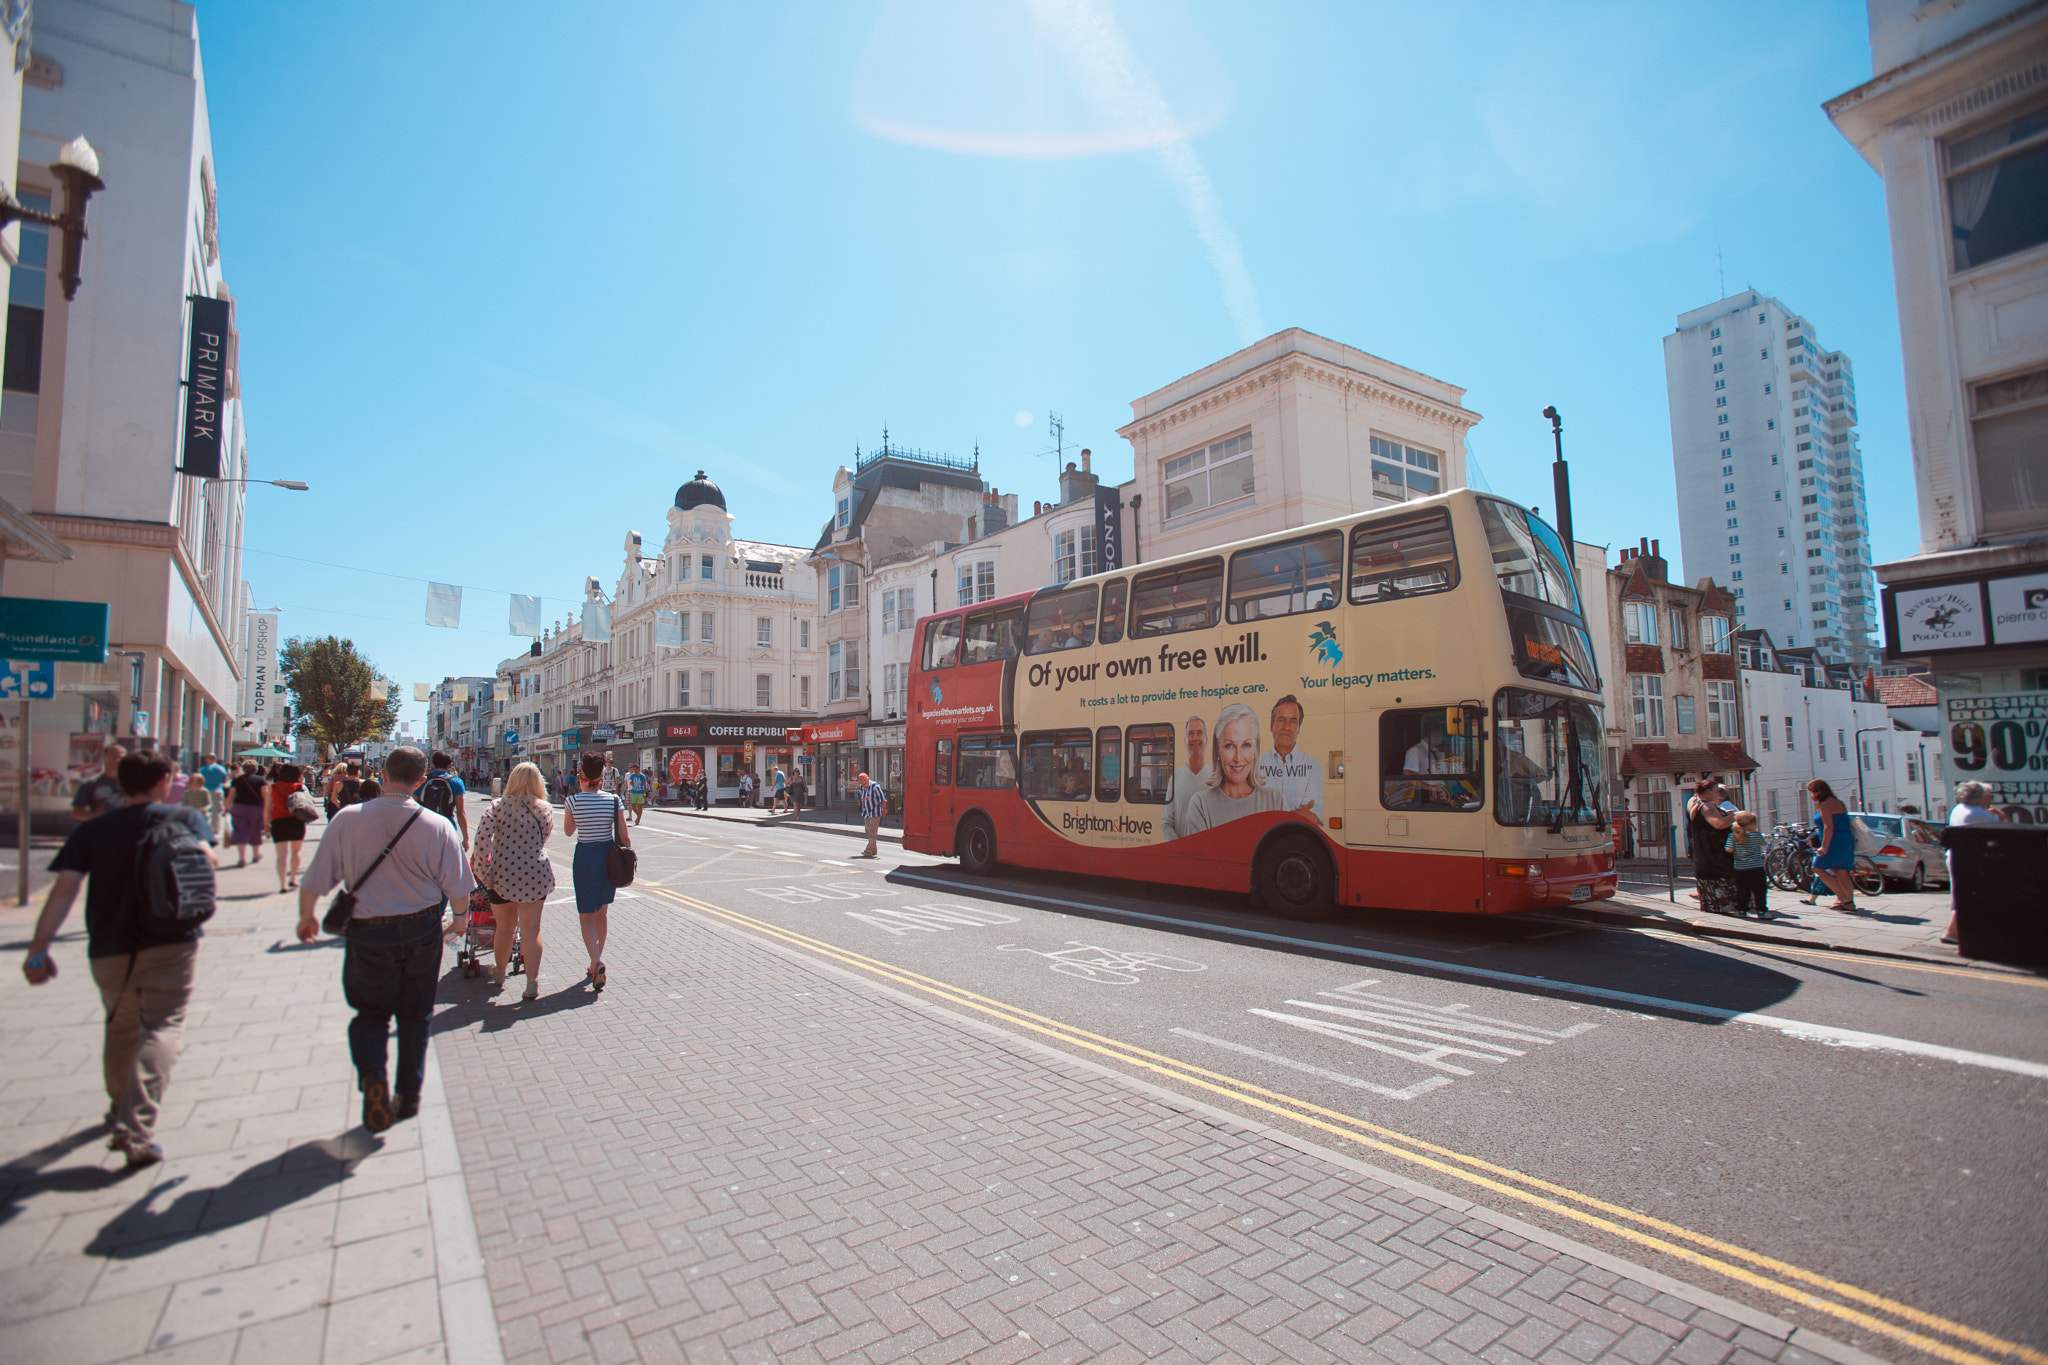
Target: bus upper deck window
(1403, 557)
(993, 635)
(1112, 628)
(1060, 619)
(1289, 577)
(941, 642)
(1168, 601)
(1528, 558)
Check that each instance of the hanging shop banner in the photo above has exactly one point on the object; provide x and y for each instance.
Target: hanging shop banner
(206, 388)
(1109, 529)
(45, 628)
(259, 668)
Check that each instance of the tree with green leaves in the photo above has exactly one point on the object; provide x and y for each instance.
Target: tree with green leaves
(332, 692)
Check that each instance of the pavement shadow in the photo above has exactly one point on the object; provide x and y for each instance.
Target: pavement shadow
(168, 1214)
(285, 945)
(1538, 955)
(466, 1004)
(26, 1176)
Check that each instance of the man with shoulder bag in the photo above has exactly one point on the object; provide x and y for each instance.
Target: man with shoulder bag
(402, 863)
(148, 871)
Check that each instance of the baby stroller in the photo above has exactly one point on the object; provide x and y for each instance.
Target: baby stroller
(479, 933)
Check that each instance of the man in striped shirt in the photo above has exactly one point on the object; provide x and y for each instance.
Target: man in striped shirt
(873, 801)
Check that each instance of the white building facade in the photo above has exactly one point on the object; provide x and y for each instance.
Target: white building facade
(92, 404)
(1955, 119)
(1771, 494)
(1811, 719)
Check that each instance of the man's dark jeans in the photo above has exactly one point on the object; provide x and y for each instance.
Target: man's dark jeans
(390, 972)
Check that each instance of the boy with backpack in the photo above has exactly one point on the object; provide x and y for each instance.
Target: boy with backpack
(148, 869)
(442, 794)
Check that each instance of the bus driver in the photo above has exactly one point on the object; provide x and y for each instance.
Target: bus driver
(1297, 777)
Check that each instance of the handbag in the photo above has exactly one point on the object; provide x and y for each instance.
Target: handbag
(301, 807)
(344, 907)
(620, 861)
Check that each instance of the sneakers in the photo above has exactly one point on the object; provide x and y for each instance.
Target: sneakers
(376, 1103)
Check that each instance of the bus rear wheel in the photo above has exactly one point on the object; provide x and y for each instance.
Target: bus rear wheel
(1292, 879)
(975, 841)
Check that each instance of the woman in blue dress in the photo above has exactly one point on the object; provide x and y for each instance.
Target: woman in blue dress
(596, 819)
(1834, 859)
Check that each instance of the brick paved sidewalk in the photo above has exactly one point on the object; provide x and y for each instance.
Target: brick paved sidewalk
(278, 1230)
(736, 1155)
(1895, 924)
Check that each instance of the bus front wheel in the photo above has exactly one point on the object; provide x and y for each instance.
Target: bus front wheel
(975, 841)
(1292, 878)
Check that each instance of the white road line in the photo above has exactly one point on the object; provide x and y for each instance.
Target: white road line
(834, 862)
(1791, 1028)
(748, 847)
(784, 853)
(1405, 1093)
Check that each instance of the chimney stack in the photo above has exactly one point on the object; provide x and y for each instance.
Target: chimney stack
(1084, 459)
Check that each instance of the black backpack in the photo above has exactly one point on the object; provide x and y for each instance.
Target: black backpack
(349, 792)
(437, 794)
(171, 882)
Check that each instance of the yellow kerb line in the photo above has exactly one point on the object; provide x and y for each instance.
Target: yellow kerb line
(1383, 1139)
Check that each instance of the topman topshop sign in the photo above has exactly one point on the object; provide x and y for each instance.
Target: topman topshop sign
(206, 387)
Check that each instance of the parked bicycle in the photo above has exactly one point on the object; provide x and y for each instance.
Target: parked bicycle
(1788, 863)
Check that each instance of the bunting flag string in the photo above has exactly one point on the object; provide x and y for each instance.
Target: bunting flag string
(597, 623)
(524, 618)
(444, 605)
(422, 692)
(668, 629)
(380, 691)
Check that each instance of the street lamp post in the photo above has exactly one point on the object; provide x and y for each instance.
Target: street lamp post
(77, 169)
(1561, 486)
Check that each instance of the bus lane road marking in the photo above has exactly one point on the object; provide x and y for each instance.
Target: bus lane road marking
(1426, 1084)
(1901, 1322)
(1109, 966)
(1826, 1034)
(1431, 1035)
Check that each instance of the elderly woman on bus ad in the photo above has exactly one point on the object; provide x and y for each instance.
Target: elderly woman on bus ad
(1235, 788)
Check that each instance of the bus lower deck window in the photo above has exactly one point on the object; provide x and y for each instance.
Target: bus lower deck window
(1057, 765)
(986, 762)
(1148, 763)
(1431, 759)
(942, 763)
(1109, 765)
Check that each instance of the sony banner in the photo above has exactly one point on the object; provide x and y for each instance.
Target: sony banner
(206, 388)
(260, 697)
(1109, 530)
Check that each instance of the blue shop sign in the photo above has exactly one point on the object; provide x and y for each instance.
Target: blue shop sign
(602, 734)
(572, 739)
(22, 678)
(41, 628)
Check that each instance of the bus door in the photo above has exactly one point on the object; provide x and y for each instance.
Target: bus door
(1415, 807)
(928, 794)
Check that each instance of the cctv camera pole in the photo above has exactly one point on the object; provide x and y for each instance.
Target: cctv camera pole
(1561, 482)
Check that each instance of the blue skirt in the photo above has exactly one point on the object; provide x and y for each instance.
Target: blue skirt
(1841, 854)
(594, 890)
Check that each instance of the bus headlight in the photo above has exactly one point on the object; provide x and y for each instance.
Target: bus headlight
(1518, 869)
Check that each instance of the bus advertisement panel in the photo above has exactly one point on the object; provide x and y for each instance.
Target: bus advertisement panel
(1339, 715)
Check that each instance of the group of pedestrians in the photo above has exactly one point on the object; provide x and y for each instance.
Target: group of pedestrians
(1728, 851)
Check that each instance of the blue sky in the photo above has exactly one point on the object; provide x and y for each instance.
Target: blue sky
(508, 274)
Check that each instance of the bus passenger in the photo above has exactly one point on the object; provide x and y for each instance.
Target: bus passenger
(1187, 780)
(1236, 789)
(1296, 776)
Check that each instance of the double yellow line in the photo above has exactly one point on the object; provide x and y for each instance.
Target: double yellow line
(1935, 1335)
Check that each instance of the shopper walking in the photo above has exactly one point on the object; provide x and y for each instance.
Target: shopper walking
(873, 801)
(597, 820)
(1834, 859)
(636, 793)
(402, 864)
(245, 814)
(444, 793)
(287, 827)
(781, 789)
(1973, 807)
(144, 975)
(215, 774)
(511, 861)
(797, 789)
(101, 792)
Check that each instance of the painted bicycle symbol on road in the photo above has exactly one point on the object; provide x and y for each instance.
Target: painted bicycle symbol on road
(1108, 966)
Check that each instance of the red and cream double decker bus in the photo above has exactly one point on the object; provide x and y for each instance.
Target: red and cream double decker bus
(1398, 709)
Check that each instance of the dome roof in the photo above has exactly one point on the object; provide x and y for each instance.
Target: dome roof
(698, 492)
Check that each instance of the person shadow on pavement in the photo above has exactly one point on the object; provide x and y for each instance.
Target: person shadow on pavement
(460, 1004)
(25, 1177)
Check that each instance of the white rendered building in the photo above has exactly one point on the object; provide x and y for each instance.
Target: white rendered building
(1807, 718)
(1770, 480)
(92, 406)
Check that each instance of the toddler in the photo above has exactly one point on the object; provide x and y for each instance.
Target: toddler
(1746, 849)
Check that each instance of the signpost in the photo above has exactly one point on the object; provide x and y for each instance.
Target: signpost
(36, 632)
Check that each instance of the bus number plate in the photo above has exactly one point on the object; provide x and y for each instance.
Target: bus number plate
(1582, 893)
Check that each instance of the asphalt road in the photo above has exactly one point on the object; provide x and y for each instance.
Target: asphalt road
(1848, 1126)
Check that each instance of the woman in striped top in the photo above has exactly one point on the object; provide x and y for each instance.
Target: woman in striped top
(597, 820)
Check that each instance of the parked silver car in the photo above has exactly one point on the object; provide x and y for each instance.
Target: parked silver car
(1906, 849)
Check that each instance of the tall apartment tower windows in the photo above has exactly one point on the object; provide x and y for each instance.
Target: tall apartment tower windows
(1786, 402)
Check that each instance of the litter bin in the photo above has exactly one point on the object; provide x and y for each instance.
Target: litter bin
(1998, 873)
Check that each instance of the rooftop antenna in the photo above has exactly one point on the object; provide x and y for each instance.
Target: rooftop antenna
(1059, 436)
